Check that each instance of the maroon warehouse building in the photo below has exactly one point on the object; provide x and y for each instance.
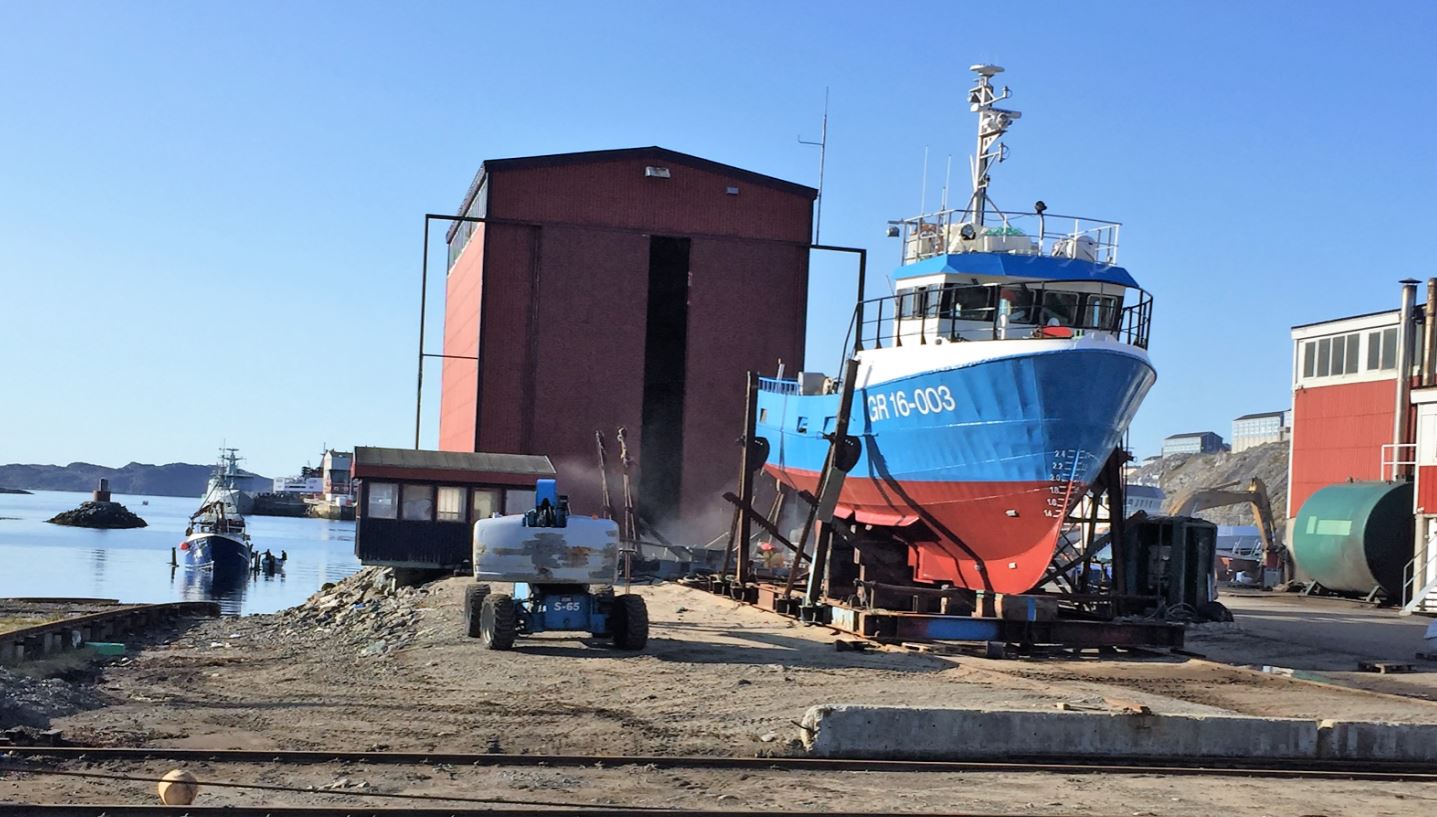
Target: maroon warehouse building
(625, 288)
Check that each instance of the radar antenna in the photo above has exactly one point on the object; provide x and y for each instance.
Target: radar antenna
(992, 124)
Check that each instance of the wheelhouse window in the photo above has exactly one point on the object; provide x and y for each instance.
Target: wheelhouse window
(486, 503)
(969, 303)
(909, 301)
(449, 506)
(932, 301)
(1018, 302)
(383, 501)
(417, 502)
(1061, 308)
(1102, 312)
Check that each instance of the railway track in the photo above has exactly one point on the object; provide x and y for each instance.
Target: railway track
(9, 810)
(1303, 768)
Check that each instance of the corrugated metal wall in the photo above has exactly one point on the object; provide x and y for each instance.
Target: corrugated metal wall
(563, 323)
(1337, 434)
(460, 378)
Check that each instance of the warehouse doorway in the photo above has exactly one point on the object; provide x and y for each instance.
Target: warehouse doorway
(665, 376)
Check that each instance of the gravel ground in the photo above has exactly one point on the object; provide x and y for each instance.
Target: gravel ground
(362, 666)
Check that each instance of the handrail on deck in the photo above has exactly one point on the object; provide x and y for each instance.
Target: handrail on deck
(953, 321)
(952, 231)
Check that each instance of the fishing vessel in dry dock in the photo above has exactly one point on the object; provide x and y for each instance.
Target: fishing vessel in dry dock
(991, 388)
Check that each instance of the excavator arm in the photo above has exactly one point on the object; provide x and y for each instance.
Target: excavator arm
(1255, 495)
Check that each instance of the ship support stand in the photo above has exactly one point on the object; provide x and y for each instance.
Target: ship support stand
(855, 578)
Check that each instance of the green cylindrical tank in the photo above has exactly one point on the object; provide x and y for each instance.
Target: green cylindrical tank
(1354, 536)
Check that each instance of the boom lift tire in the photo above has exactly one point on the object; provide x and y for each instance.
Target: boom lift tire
(473, 600)
(498, 623)
(630, 622)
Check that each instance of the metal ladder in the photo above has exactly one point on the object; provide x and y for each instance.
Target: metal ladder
(1424, 600)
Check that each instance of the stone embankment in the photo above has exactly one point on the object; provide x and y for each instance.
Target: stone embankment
(99, 515)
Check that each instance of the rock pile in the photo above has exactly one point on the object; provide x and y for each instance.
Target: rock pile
(26, 701)
(366, 611)
(99, 515)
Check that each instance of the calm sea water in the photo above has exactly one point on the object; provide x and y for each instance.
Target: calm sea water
(40, 559)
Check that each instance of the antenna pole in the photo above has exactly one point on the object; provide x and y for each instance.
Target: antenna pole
(992, 124)
(923, 191)
(822, 144)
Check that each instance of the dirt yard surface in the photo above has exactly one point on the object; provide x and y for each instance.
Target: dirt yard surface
(759, 791)
(381, 670)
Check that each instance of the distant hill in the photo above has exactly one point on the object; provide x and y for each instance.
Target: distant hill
(1180, 473)
(172, 479)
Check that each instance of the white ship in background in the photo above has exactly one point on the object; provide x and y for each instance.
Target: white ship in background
(224, 484)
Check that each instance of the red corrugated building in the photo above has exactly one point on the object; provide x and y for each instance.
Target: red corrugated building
(621, 288)
(1343, 402)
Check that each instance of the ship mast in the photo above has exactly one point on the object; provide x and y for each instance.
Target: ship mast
(992, 124)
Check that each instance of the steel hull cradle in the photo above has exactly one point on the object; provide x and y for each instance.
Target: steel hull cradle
(975, 464)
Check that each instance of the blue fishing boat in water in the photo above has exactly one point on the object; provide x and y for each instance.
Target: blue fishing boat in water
(216, 539)
(990, 389)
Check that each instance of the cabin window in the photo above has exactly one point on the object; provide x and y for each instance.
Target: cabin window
(1338, 355)
(907, 303)
(970, 303)
(518, 500)
(1389, 348)
(383, 501)
(1101, 312)
(485, 504)
(932, 300)
(1061, 307)
(802, 425)
(1309, 359)
(1324, 356)
(1020, 304)
(416, 502)
(449, 506)
(1352, 341)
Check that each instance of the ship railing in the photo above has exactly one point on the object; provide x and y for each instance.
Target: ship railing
(778, 384)
(968, 312)
(951, 232)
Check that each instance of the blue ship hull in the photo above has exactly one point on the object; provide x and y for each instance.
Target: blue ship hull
(222, 554)
(978, 462)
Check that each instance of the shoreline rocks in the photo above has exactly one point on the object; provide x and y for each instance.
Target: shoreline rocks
(104, 515)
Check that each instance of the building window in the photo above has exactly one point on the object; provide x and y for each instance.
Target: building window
(1389, 348)
(383, 501)
(417, 502)
(450, 504)
(518, 500)
(486, 503)
(1309, 359)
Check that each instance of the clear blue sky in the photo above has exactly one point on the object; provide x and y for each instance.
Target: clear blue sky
(210, 213)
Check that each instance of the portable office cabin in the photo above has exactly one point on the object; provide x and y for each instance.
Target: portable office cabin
(416, 509)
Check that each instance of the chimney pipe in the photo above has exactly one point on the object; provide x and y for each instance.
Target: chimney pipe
(1429, 335)
(1406, 340)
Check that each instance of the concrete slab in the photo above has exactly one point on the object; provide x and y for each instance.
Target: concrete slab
(904, 733)
(1369, 740)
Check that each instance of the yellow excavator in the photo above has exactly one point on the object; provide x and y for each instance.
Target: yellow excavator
(1274, 554)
